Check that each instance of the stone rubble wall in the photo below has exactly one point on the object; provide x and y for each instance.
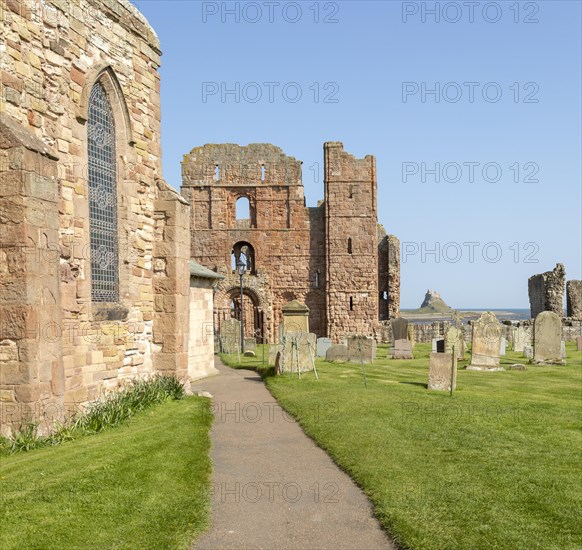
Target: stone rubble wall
(546, 291)
(574, 299)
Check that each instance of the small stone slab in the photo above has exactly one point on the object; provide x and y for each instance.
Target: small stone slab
(517, 366)
(439, 371)
(579, 343)
(337, 353)
(323, 344)
(402, 350)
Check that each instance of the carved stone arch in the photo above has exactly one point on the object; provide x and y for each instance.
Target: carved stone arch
(105, 75)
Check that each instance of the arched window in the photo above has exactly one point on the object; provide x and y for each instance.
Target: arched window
(317, 274)
(246, 253)
(102, 198)
(243, 209)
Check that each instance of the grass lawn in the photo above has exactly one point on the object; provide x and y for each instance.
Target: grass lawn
(140, 485)
(497, 465)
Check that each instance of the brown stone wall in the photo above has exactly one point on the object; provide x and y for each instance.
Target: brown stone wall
(54, 54)
(288, 253)
(388, 275)
(574, 300)
(351, 242)
(546, 291)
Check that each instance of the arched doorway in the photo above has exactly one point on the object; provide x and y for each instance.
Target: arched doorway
(254, 316)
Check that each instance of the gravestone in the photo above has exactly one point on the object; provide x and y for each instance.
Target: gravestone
(547, 339)
(250, 344)
(323, 344)
(299, 349)
(337, 352)
(410, 333)
(274, 349)
(399, 329)
(295, 318)
(434, 345)
(502, 345)
(361, 347)
(402, 350)
(439, 371)
(563, 349)
(440, 346)
(454, 337)
(528, 351)
(521, 338)
(486, 343)
(230, 335)
(579, 343)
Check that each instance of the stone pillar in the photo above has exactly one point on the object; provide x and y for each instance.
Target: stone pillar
(574, 300)
(171, 283)
(31, 367)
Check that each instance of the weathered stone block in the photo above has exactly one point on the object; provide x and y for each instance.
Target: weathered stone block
(441, 369)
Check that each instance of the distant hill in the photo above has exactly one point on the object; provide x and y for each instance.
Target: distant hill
(433, 303)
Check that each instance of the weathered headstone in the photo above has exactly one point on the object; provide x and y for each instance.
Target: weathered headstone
(547, 339)
(323, 344)
(440, 346)
(521, 338)
(250, 344)
(563, 349)
(337, 352)
(439, 371)
(486, 343)
(361, 348)
(295, 317)
(399, 329)
(410, 334)
(434, 345)
(230, 335)
(402, 349)
(579, 343)
(299, 350)
(274, 349)
(454, 337)
(502, 345)
(528, 351)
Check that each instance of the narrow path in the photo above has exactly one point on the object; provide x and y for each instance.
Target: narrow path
(273, 488)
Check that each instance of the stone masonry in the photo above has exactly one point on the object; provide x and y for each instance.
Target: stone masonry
(59, 345)
(546, 291)
(327, 257)
(574, 300)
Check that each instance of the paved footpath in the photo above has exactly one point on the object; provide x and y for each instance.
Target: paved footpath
(273, 488)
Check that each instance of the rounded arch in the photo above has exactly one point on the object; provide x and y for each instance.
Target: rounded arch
(105, 75)
(228, 301)
(243, 250)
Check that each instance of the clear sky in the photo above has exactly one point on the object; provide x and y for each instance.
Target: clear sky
(505, 133)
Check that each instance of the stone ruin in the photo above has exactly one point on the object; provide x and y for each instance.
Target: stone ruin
(546, 291)
(574, 300)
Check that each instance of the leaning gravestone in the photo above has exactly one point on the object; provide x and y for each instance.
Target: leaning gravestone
(547, 339)
(323, 344)
(399, 329)
(402, 350)
(361, 348)
(486, 343)
(439, 371)
(299, 351)
(337, 352)
(230, 335)
(521, 338)
(454, 337)
(274, 349)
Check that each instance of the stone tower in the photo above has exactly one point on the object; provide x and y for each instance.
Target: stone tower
(351, 242)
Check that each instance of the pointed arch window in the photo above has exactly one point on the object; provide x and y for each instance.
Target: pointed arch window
(102, 198)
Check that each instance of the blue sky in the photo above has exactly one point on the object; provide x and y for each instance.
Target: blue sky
(523, 121)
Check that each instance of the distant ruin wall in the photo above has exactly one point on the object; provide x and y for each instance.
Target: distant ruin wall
(574, 300)
(546, 291)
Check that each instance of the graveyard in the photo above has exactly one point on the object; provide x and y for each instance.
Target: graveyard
(494, 465)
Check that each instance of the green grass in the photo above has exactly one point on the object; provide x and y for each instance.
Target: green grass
(252, 363)
(141, 485)
(497, 465)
